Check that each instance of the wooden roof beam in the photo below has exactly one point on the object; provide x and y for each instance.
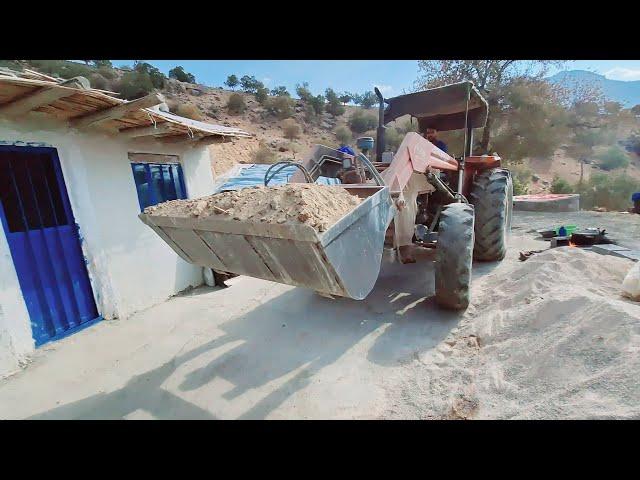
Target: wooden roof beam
(43, 96)
(135, 132)
(117, 111)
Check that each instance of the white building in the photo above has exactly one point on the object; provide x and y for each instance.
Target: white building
(76, 167)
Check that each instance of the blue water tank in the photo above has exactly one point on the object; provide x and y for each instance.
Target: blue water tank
(365, 143)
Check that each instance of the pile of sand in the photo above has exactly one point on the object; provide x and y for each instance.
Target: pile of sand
(548, 338)
(318, 206)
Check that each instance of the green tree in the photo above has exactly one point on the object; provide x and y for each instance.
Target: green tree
(492, 78)
(262, 94)
(232, 82)
(102, 63)
(156, 76)
(134, 85)
(250, 84)
(635, 109)
(345, 97)
(532, 121)
(317, 105)
(334, 107)
(302, 90)
(368, 99)
(179, 74)
(280, 90)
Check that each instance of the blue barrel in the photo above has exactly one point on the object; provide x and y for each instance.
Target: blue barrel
(365, 143)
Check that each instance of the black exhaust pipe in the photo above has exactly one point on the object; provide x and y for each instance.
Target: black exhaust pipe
(381, 128)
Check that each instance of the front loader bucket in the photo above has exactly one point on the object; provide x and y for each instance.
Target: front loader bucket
(344, 260)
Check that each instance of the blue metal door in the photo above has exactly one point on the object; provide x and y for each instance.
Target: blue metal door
(44, 242)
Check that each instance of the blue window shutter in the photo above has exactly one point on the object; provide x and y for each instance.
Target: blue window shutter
(157, 183)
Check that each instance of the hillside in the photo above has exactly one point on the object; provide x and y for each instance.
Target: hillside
(269, 142)
(627, 93)
(267, 129)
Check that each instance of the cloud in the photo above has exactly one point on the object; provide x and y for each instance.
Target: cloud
(266, 80)
(384, 89)
(623, 74)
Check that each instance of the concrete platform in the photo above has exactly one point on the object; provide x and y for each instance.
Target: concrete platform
(547, 203)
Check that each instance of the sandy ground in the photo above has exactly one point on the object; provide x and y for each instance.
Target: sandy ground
(264, 350)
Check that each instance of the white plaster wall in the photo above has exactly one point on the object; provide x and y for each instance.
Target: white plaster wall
(130, 267)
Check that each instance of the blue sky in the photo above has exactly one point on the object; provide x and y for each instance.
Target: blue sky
(391, 76)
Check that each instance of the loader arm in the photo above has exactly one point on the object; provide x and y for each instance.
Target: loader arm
(415, 154)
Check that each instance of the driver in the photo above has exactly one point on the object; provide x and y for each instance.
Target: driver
(431, 134)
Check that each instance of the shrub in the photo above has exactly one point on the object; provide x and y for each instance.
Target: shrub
(613, 158)
(521, 177)
(213, 111)
(262, 94)
(98, 81)
(12, 64)
(291, 129)
(361, 121)
(264, 155)
(294, 148)
(611, 192)
(107, 72)
(189, 110)
(281, 107)
(559, 185)
(236, 104)
(173, 105)
(134, 85)
(179, 74)
(232, 82)
(62, 68)
(633, 142)
(407, 126)
(392, 139)
(343, 134)
(519, 187)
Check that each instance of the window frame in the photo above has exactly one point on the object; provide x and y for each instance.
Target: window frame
(152, 194)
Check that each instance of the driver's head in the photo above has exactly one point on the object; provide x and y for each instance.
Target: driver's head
(431, 134)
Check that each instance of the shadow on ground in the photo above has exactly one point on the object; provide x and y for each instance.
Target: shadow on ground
(297, 331)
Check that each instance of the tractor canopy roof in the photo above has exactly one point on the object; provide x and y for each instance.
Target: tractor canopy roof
(442, 108)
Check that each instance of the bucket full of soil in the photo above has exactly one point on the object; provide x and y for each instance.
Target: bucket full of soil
(326, 238)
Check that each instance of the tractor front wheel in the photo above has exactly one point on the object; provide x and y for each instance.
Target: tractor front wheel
(454, 256)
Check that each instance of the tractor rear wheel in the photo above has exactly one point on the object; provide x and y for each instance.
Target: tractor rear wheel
(492, 198)
(454, 256)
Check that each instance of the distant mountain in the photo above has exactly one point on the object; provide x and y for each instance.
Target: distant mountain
(627, 93)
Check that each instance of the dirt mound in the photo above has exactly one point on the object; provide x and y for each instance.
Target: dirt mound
(549, 338)
(318, 206)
